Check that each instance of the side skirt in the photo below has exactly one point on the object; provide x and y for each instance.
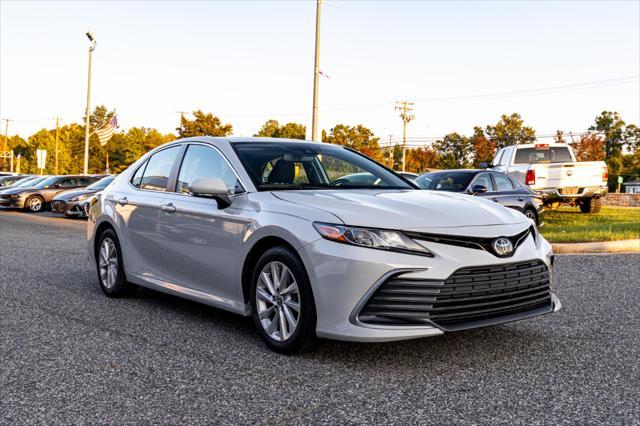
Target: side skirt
(187, 293)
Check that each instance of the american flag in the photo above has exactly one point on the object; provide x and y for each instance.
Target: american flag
(107, 130)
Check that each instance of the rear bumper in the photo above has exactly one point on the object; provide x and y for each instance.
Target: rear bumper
(556, 194)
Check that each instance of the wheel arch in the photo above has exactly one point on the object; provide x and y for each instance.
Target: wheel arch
(260, 243)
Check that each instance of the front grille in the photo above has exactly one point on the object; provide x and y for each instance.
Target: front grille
(58, 206)
(468, 295)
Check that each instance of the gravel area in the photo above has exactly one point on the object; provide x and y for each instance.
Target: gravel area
(68, 354)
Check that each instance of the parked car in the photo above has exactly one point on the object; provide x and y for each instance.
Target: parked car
(27, 182)
(38, 197)
(552, 170)
(408, 175)
(72, 203)
(260, 228)
(8, 181)
(494, 186)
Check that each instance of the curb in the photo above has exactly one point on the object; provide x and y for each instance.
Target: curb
(624, 246)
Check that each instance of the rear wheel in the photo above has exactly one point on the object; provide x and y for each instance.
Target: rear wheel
(591, 205)
(35, 204)
(282, 302)
(531, 214)
(110, 266)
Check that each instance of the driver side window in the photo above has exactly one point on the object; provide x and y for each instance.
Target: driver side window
(204, 162)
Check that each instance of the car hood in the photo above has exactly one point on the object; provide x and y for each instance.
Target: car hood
(405, 209)
(67, 195)
(11, 191)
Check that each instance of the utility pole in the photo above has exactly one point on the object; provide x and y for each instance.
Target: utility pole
(57, 140)
(406, 114)
(88, 111)
(390, 152)
(5, 143)
(316, 74)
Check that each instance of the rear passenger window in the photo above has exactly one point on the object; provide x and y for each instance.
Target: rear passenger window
(156, 174)
(503, 183)
(137, 177)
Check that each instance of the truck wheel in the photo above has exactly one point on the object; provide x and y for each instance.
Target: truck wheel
(591, 205)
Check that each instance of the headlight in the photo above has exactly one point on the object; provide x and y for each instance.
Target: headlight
(80, 197)
(381, 239)
(18, 195)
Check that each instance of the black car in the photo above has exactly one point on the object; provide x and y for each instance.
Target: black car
(485, 183)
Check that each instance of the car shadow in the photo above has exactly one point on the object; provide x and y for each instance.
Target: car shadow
(462, 349)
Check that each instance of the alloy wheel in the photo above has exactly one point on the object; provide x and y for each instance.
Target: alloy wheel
(278, 301)
(35, 204)
(108, 263)
(530, 215)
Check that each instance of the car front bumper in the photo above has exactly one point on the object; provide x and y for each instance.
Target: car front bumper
(11, 203)
(345, 277)
(71, 208)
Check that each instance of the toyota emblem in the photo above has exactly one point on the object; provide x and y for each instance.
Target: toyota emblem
(502, 246)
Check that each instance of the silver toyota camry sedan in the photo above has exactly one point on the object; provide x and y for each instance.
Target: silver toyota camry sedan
(279, 231)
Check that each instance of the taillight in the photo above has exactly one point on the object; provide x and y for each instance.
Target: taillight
(605, 174)
(531, 177)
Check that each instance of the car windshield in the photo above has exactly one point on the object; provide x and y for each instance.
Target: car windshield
(102, 183)
(559, 154)
(299, 165)
(47, 182)
(445, 181)
(31, 181)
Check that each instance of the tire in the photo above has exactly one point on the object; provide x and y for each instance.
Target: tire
(110, 268)
(274, 305)
(531, 214)
(591, 205)
(34, 204)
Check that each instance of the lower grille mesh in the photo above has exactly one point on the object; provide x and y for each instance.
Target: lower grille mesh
(470, 294)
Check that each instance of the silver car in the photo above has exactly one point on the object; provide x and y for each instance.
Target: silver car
(267, 228)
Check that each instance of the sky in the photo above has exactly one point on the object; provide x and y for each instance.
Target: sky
(463, 64)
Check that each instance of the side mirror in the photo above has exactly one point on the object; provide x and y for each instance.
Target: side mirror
(484, 165)
(478, 189)
(215, 188)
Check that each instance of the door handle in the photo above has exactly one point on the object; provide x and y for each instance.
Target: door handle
(169, 208)
(123, 201)
(495, 199)
(520, 199)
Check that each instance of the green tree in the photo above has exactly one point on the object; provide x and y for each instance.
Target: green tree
(273, 129)
(357, 137)
(510, 130)
(203, 124)
(454, 151)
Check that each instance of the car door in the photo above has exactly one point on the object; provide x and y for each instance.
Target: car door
(201, 240)
(505, 193)
(138, 209)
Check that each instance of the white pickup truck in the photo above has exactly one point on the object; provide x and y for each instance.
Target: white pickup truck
(552, 170)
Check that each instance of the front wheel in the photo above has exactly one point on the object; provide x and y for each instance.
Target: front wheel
(282, 302)
(35, 204)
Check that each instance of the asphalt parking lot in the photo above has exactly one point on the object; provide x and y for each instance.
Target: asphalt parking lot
(68, 354)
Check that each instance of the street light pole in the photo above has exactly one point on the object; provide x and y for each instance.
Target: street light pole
(88, 111)
(316, 74)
